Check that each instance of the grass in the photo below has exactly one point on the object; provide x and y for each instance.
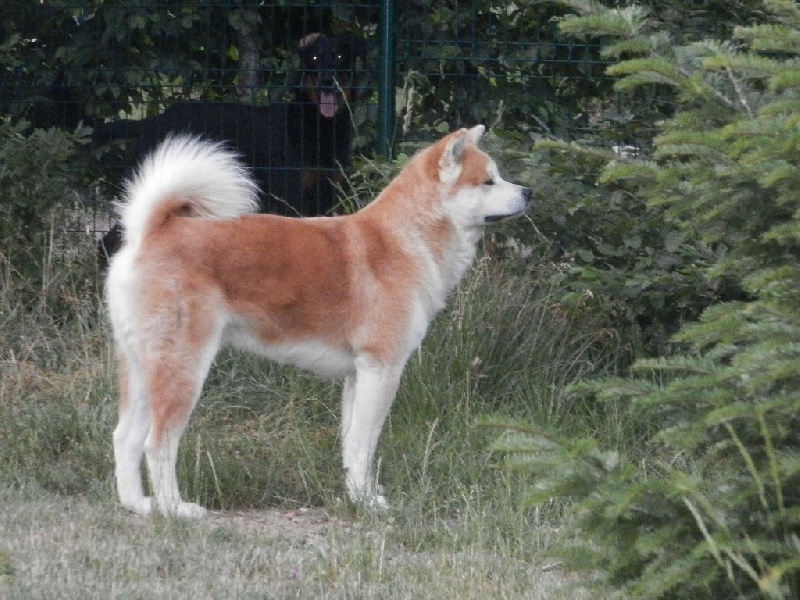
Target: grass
(84, 547)
(262, 453)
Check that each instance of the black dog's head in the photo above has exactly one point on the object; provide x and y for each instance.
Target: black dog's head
(329, 70)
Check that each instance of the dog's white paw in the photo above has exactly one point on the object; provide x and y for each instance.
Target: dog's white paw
(375, 502)
(141, 506)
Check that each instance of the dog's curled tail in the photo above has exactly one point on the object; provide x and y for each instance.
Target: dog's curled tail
(186, 176)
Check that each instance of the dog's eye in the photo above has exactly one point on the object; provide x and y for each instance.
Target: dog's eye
(488, 182)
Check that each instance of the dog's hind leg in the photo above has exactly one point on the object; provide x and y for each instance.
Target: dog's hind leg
(174, 383)
(129, 437)
(366, 403)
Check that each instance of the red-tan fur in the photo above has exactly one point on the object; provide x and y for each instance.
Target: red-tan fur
(346, 296)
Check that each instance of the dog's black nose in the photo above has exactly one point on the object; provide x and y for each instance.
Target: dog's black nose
(526, 195)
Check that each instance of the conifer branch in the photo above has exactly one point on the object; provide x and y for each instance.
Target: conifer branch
(739, 91)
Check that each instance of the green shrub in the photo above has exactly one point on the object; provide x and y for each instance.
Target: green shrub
(36, 176)
(619, 257)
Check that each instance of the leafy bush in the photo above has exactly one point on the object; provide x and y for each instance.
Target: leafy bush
(36, 175)
(615, 256)
(709, 508)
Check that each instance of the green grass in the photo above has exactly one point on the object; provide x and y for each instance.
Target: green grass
(263, 444)
(54, 546)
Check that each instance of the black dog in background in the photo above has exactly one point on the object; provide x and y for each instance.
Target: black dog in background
(296, 150)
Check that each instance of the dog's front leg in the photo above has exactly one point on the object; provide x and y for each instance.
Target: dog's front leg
(366, 401)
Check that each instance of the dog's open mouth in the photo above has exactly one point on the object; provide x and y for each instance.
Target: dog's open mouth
(328, 104)
(498, 218)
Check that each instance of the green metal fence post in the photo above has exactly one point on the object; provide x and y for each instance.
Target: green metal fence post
(386, 30)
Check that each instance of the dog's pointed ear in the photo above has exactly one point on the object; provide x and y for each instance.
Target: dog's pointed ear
(356, 46)
(450, 161)
(308, 40)
(475, 133)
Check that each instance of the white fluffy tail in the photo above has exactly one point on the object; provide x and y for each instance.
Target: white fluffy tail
(189, 176)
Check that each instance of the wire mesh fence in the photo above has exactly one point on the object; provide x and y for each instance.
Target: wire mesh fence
(126, 69)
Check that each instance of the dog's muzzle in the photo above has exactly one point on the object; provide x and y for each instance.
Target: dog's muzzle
(517, 209)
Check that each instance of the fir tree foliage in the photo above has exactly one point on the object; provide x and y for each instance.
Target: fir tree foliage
(709, 505)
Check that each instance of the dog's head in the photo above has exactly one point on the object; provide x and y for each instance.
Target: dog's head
(475, 193)
(329, 70)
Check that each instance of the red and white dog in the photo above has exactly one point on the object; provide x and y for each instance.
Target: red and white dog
(348, 296)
